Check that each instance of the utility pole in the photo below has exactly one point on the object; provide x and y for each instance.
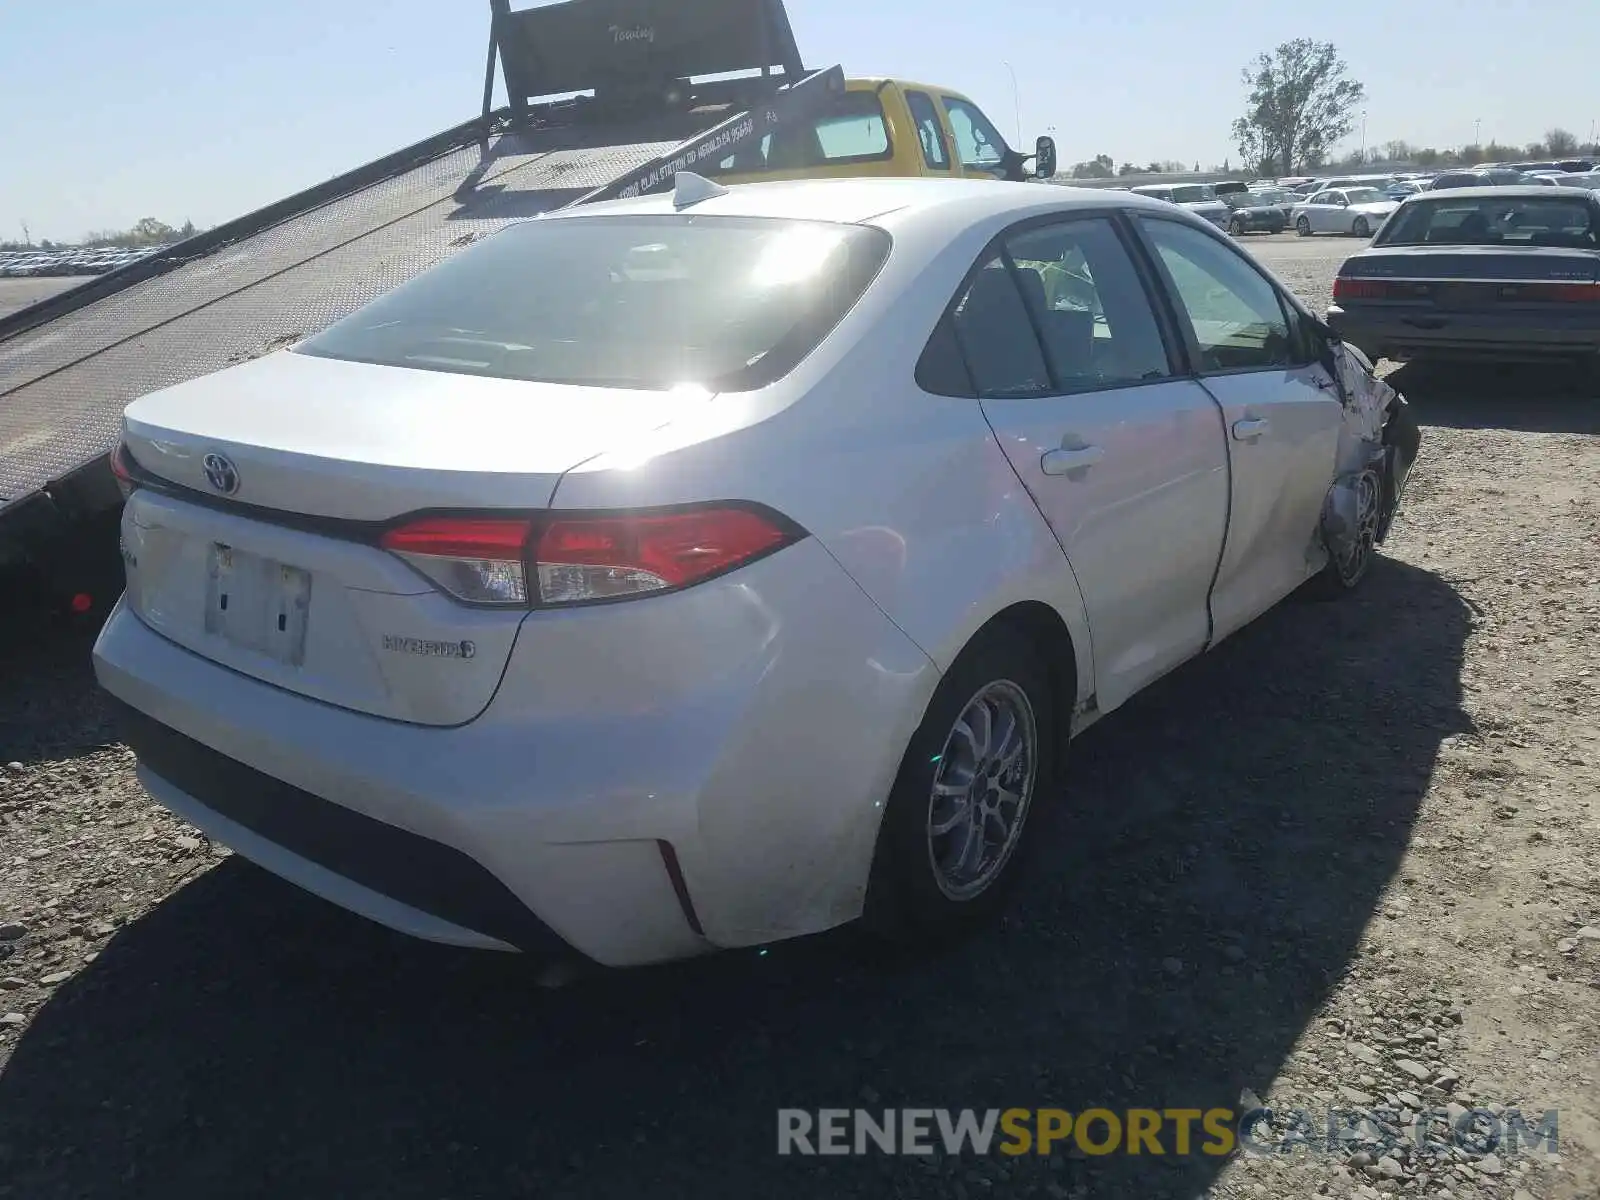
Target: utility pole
(1477, 127)
(1016, 102)
(1363, 135)
(27, 238)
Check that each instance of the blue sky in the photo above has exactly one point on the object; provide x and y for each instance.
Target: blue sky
(203, 109)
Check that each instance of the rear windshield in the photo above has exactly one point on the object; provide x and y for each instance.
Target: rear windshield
(1193, 194)
(650, 301)
(1491, 221)
(1364, 195)
(852, 130)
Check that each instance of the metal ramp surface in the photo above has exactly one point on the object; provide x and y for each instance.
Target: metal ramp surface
(64, 384)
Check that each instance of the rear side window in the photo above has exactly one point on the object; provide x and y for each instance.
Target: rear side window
(647, 302)
(1091, 309)
(995, 334)
(935, 155)
(1237, 317)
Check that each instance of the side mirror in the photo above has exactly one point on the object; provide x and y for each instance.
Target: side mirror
(1044, 153)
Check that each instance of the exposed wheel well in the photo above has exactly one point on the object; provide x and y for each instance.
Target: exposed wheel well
(1043, 627)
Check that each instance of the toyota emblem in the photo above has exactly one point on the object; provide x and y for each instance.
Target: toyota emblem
(221, 474)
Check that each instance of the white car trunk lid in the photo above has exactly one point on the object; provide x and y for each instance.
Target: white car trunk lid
(332, 438)
(264, 557)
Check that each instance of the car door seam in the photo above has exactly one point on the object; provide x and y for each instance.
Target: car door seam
(1227, 519)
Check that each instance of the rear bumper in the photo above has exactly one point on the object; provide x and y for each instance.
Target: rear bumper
(1483, 336)
(653, 780)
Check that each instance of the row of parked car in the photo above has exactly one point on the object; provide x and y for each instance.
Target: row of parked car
(75, 260)
(1351, 204)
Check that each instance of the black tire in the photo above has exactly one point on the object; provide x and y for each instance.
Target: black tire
(1302, 226)
(906, 902)
(1236, 227)
(1360, 228)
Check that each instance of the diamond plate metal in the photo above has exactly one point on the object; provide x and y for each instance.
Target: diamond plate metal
(63, 386)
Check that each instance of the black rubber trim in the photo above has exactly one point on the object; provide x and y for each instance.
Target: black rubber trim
(417, 871)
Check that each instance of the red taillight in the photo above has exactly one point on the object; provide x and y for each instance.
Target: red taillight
(1556, 293)
(122, 469)
(1345, 288)
(574, 558)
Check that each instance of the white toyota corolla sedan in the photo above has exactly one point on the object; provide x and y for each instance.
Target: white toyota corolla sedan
(713, 568)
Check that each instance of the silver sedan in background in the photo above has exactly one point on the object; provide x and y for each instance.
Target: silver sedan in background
(1357, 210)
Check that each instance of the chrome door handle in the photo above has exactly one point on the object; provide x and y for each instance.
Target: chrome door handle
(1249, 429)
(1066, 461)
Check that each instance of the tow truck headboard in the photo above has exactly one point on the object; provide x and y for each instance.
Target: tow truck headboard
(642, 53)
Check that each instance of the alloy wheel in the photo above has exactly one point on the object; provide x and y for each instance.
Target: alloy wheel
(1353, 563)
(982, 789)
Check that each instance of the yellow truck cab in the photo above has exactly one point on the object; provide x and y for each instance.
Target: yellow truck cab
(887, 127)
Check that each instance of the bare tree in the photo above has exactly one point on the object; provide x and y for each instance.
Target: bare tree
(1302, 100)
(1560, 143)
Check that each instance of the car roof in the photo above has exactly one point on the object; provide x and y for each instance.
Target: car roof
(1530, 191)
(860, 200)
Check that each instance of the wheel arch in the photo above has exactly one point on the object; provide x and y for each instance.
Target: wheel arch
(1045, 629)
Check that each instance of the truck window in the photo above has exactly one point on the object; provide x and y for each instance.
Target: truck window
(930, 132)
(855, 129)
(979, 145)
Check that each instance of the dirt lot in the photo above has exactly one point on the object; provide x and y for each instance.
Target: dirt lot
(1345, 860)
(19, 293)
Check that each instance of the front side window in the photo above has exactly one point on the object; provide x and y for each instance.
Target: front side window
(979, 145)
(647, 302)
(1235, 313)
(929, 131)
(1091, 309)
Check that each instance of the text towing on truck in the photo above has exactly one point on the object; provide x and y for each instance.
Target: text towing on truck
(606, 99)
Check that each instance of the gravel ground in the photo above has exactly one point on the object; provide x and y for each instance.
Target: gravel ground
(19, 293)
(1346, 859)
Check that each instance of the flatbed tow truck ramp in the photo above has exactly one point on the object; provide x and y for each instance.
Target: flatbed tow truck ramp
(69, 365)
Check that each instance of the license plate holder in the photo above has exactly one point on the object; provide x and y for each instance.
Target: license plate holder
(257, 603)
(1455, 295)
